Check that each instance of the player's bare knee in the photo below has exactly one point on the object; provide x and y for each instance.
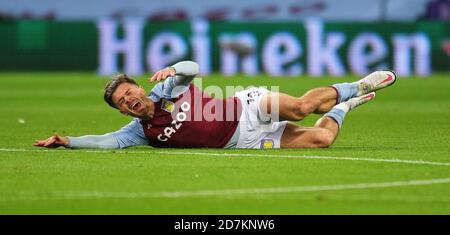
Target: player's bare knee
(303, 107)
(325, 138)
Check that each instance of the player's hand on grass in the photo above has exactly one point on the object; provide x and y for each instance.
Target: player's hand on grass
(162, 74)
(54, 141)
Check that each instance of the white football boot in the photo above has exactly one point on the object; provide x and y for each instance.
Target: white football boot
(357, 101)
(375, 81)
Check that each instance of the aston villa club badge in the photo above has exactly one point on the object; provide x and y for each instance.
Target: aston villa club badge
(167, 106)
(267, 144)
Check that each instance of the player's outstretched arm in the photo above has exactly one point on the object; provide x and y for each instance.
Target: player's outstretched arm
(107, 141)
(129, 135)
(53, 141)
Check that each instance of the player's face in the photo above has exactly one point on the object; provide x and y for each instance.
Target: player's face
(131, 100)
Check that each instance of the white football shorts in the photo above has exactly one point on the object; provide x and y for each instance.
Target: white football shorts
(256, 129)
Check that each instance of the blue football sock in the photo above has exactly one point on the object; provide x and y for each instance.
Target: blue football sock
(345, 91)
(338, 112)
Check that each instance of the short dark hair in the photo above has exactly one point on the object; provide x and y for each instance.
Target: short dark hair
(112, 85)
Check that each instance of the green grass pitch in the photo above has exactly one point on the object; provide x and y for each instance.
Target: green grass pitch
(392, 156)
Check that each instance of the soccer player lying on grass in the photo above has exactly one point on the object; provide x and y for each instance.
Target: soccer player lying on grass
(179, 115)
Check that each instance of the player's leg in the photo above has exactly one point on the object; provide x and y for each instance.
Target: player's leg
(326, 129)
(295, 136)
(286, 107)
(370, 83)
(321, 100)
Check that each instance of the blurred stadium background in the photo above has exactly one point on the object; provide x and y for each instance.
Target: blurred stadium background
(288, 38)
(55, 56)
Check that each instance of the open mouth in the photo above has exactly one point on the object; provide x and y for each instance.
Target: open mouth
(136, 106)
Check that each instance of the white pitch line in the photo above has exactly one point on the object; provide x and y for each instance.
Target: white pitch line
(417, 162)
(314, 157)
(224, 192)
